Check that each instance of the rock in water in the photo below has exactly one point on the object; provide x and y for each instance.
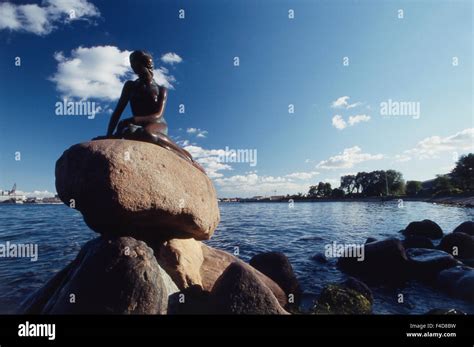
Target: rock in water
(426, 264)
(360, 287)
(415, 241)
(239, 291)
(138, 189)
(277, 266)
(425, 227)
(337, 299)
(457, 281)
(466, 228)
(384, 261)
(458, 244)
(182, 259)
(109, 276)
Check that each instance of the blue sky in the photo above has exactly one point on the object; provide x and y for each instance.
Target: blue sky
(423, 59)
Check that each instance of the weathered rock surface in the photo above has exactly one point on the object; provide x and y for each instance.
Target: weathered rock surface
(182, 259)
(139, 189)
(216, 262)
(240, 291)
(384, 261)
(426, 264)
(458, 282)
(459, 244)
(109, 276)
(277, 266)
(337, 299)
(466, 228)
(415, 241)
(426, 228)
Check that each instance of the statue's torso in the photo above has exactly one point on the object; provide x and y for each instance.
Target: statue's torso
(144, 98)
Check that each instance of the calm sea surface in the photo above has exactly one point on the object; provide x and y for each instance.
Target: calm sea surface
(299, 232)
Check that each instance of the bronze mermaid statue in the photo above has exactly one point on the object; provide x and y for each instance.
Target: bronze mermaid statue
(147, 101)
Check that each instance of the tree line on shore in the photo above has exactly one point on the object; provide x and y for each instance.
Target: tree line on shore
(380, 183)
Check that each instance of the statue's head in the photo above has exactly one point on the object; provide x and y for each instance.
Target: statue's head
(142, 64)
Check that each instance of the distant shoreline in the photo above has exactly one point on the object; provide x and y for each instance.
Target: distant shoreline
(460, 201)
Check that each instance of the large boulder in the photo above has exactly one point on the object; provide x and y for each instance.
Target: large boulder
(338, 299)
(383, 261)
(457, 281)
(426, 264)
(277, 266)
(109, 276)
(216, 262)
(458, 244)
(182, 259)
(359, 286)
(466, 228)
(139, 189)
(415, 241)
(426, 228)
(239, 291)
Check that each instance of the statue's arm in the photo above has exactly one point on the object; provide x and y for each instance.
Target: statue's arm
(121, 104)
(161, 108)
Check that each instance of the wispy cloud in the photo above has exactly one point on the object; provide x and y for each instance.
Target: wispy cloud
(340, 123)
(343, 102)
(210, 159)
(348, 158)
(43, 19)
(197, 132)
(431, 147)
(171, 58)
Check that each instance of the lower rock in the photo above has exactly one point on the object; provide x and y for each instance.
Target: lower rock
(116, 275)
(277, 266)
(458, 244)
(240, 291)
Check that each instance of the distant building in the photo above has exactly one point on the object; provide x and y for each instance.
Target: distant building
(277, 197)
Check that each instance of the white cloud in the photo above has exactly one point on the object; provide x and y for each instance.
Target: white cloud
(338, 122)
(42, 20)
(348, 158)
(97, 72)
(358, 118)
(198, 132)
(430, 147)
(171, 58)
(343, 102)
(401, 158)
(302, 175)
(210, 159)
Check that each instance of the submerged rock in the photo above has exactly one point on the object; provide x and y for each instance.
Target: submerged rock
(466, 228)
(426, 228)
(239, 291)
(426, 264)
(458, 244)
(337, 299)
(384, 261)
(458, 282)
(109, 276)
(320, 258)
(137, 189)
(277, 266)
